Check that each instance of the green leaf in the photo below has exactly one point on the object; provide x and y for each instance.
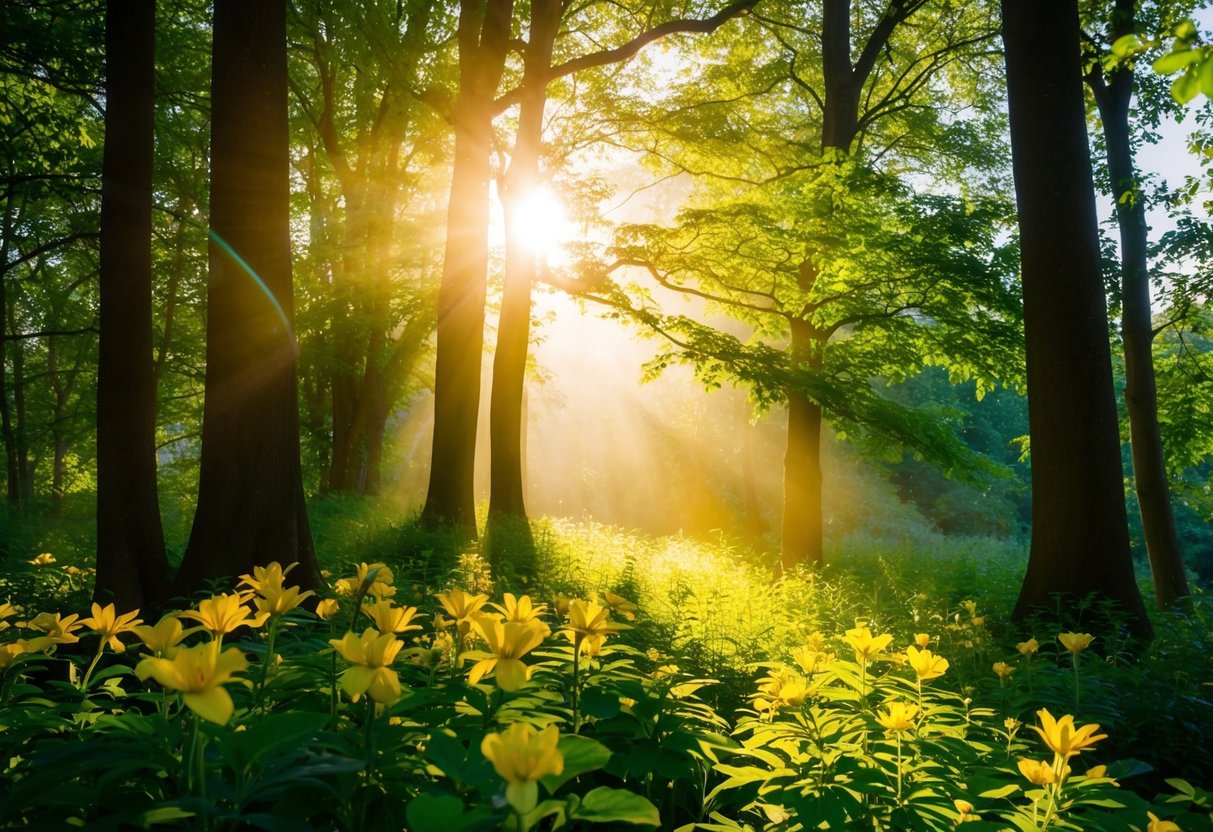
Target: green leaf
(164, 814)
(605, 805)
(1175, 61)
(1126, 45)
(434, 813)
(1204, 72)
(600, 703)
(1185, 87)
(581, 754)
(996, 794)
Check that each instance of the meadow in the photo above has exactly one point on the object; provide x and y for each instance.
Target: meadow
(628, 681)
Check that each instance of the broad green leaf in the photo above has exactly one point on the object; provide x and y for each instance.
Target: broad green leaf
(605, 805)
(581, 755)
(1175, 61)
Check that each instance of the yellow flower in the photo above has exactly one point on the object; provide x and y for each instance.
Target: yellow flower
(370, 654)
(1003, 670)
(221, 614)
(926, 664)
(508, 642)
(59, 630)
(10, 651)
(520, 609)
(979, 620)
(560, 603)
(1027, 648)
(1157, 824)
(270, 575)
(1038, 773)
(328, 608)
(971, 606)
(199, 673)
(811, 660)
(7, 610)
(277, 600)
(376, 577)
(1012, 724)
(389, 618)
(44, 559)
(781, 689)
(589, 624)
(865, 645)
(922, 639)
(899, 716)
(965, 809)
(620, 606)
(106, 623)
(1062, 737)
(1075, 642)
(461, 607)
(521, 756)
(163, 638)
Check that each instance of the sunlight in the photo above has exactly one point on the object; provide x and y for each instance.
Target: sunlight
(543, 226)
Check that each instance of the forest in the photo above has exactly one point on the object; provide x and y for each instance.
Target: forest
(537, 414)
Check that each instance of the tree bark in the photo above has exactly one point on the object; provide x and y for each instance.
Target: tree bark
(1113, 96)
(802, 530)
(483, 39)
(251, 506)
(507, 491)
(12, 492)
(132, 570)
(1080, 542)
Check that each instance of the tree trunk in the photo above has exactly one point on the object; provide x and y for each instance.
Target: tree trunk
(1113, 98)
(132, 570)
(25, 467)
(483, 41)
(13, 493)
(507, 491)
(802, 531)
(251, 506)
(1080, 541)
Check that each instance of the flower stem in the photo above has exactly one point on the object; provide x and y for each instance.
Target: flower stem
(89, 673)
(576, 691)
(1077, 691)
(199, 767)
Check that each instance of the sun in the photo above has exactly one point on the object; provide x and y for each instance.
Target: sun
(542, 225)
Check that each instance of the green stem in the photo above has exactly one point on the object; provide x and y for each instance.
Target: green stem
(89, 673)
(199, 766)
(1077, 691)
(272, 632)
(576, 691)
(898, 768)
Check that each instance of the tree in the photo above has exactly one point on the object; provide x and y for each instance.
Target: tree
(483, 37)
(803, 128)
(131, 567)
(1113, 91)
(375, 143)
(1080, 542)
(506, 496)
(250, 496)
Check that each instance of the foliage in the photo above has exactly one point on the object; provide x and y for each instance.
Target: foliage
(812, 723)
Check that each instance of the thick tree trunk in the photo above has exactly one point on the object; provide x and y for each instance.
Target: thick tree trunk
(802, 531)
(483, 38)
(132, 570)
(250, 497)
(1080, 542)
(506, 495)
(1113, 98)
